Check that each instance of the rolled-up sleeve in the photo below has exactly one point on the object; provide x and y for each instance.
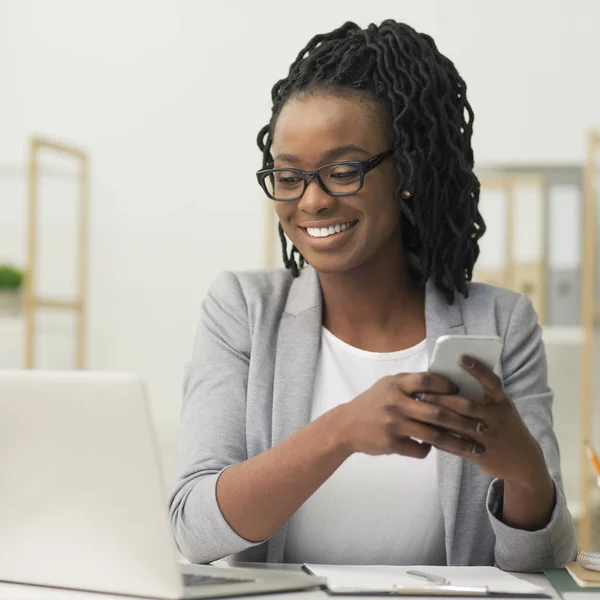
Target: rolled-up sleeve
(552, 546)
(212, 431)
(526, 383)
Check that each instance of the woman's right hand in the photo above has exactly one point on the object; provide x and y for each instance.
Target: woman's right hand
(387, 419)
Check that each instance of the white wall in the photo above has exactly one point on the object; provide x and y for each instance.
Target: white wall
(168, 97)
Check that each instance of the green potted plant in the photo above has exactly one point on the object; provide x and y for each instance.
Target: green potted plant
(11, 282)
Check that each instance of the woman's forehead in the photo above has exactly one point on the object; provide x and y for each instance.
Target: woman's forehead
(317, 121)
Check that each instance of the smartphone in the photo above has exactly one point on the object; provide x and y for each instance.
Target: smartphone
(445, 360)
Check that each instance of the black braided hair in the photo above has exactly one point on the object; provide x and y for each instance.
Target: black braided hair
(432, 125)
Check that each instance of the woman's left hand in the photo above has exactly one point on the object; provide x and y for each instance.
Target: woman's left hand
(502, 445)
(497, 440)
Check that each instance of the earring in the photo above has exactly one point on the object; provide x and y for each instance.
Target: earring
(406, 194)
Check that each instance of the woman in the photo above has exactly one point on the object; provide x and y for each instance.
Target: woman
(307, 400)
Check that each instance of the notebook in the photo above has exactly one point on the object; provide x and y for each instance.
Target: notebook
(589, 560)
(583, 577)
(586, 571)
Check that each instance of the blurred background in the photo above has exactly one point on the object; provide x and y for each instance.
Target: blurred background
(127, 160)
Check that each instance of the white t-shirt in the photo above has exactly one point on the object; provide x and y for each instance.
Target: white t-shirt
(373, 509)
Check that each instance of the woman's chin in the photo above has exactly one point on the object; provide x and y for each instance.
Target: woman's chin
(330, 264)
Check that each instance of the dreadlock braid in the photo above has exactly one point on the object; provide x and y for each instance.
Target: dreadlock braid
(432, 124)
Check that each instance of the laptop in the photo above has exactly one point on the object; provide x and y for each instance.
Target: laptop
(82, 504)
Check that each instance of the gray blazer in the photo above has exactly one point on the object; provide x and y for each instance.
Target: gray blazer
(249, 385)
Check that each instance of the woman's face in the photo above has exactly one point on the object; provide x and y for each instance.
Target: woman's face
(317, 130)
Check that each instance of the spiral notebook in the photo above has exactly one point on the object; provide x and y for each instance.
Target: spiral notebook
(590, 560)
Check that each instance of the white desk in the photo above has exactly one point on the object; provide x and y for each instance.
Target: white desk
(26, 592)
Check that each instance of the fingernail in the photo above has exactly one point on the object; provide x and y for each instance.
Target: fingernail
(467, 362)
(477, 449)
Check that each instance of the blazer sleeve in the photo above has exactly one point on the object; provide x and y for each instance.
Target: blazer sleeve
(526, 383)
(212, 434)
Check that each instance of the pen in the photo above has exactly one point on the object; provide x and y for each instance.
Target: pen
(428, 577)
(593, 459)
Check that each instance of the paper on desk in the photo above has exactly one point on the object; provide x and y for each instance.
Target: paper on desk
(584, 594)
(385, 577)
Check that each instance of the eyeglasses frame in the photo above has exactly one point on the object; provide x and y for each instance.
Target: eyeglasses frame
(363, 166)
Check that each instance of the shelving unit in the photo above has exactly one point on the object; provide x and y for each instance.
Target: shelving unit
(33, 175)
(532, 279)
(32, 300)
(587, 524)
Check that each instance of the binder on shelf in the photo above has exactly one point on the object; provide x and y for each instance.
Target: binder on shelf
(491, 266)
(529, 241)
(564, 254)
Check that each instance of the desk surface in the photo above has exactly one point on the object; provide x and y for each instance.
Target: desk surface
(11, 591)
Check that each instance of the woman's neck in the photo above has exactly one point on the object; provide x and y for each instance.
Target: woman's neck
(377, 306)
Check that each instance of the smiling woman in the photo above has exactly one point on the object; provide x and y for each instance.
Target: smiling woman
(301, 428)
(427, 123)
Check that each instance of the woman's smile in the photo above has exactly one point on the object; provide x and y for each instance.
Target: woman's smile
(328, 236)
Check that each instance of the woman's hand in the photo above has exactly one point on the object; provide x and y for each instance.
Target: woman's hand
(397, 411)
(387, 419)
(501, 446)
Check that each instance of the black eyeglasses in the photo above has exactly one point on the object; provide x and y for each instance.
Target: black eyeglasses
(336, 179)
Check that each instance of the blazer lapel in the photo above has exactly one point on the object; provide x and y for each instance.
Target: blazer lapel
(298, 345)
(296, 359)
(445, 319)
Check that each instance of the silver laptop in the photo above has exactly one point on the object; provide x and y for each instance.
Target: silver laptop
(82, 504)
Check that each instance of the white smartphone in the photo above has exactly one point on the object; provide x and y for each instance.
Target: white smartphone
(445, 360)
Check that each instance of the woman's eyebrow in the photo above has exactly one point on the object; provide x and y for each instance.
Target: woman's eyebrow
(326, 156)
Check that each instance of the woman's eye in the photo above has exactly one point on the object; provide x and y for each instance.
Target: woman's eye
(287, 179)
(344, 173)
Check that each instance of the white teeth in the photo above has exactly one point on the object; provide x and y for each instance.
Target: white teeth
(327, 231)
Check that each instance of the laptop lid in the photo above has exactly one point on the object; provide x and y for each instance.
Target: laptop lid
(82, 504)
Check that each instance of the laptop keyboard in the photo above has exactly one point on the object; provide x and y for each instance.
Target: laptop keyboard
(191, 580)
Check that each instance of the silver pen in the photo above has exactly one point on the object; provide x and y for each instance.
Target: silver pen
(436, 579)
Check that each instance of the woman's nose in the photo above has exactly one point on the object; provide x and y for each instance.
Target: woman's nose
(315, 199)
